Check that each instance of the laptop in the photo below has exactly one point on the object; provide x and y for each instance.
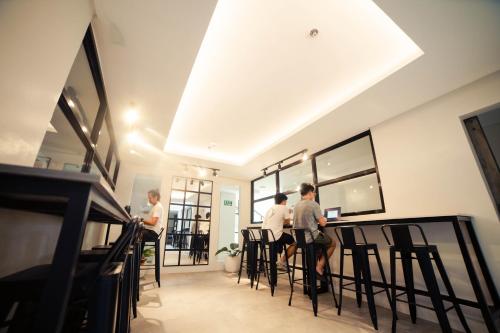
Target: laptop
(332, 214)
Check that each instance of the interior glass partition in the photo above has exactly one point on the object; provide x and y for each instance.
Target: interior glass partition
(188, 224)
(345, 175)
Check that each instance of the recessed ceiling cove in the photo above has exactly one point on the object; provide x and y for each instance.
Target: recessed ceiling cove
(263, 73)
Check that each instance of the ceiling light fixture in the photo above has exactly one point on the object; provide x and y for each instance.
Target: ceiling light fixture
(215, 172)
(132, 137)
(202, 170)
(71, 103)
(131, 116)
(313, 33)
(84, 129)
(279, 164)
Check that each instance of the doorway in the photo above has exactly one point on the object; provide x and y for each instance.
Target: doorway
(229, 220)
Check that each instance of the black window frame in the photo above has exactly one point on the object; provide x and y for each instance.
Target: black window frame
(318, 185)
(103, 118)
(180, 250)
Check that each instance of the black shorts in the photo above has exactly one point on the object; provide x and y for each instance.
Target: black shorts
(286, 239)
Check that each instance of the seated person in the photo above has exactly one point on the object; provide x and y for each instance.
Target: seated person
(154, 221)
(276, 217)
(307, 215)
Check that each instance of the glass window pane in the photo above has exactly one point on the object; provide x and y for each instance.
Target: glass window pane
(179, 183)
(186, 259)
(206, 186)
(353, 195)
(204, 213)
(191, 198)
(139, 204)
(205, 200)
(193, 185)
(203, 228)
(264, 187)
(189, 212)
(103, 143)
(291, 178)
(293, 198)
(260, 209)
(81, 92)
(94, 169)
(112, 166)
(171, 258)
(353, 157)
(177, 197)
(175, 212)
(61, 148)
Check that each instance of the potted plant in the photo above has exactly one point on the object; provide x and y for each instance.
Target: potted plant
(232, 260)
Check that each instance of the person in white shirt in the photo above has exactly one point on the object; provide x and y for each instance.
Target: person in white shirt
(276, 217)
(154, 222)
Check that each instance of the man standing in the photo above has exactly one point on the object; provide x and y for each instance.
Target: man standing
(307, 215)
(276, 217)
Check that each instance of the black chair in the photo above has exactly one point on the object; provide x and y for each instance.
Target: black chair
(94, 284)
(269, 248)
(157, 266)
(360, 253)
(424, 254)
(244, 250)
(309, 275)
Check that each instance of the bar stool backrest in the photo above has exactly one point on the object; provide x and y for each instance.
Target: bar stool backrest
(123, 242)
(300, 236)
(246, 235)
(254, 233)
(348, 239)
(401, 235)
(267, 236)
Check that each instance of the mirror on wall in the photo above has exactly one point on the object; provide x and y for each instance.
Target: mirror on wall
(188, 225)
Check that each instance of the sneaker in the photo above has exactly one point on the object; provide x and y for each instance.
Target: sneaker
(280, 265)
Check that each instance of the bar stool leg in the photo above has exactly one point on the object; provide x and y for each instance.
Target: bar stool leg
(425, 263)
(449, 288)
(384, 280)
(311, 267)
(157, 262)
(241, 261)
(407, 263)
(286, 263)
(392, 255)
(356, 265)
(329, 276)
(367, 279)
(292, 282)
(259, 266)
(341, 278)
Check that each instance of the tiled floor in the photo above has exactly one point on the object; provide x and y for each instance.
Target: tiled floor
(214, 302)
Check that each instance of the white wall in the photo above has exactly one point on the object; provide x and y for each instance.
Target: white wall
(123, 191)
(427, 168)
(39, 41)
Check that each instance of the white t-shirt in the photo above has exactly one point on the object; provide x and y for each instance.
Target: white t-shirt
(156, 211)
(274, 219)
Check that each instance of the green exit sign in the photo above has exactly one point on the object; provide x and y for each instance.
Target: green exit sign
(228, 203)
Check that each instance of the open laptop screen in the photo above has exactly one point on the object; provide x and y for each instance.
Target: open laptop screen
(332, 213)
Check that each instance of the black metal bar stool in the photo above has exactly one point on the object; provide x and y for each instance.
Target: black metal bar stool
(309, 258)
(249, 248)
(424, 254)
(360, 253)
(269, 248)
(157, 266)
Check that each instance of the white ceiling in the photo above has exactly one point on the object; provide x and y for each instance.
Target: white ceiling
(459, 39)
(262, 77)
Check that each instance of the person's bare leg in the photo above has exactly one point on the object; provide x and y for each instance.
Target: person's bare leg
(321, 262)
(289, 252)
